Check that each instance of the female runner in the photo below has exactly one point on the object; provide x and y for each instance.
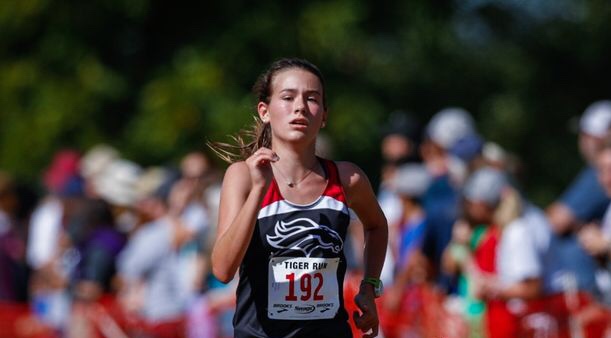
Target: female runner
(284, 214)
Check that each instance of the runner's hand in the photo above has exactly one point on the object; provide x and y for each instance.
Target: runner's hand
(368, 320)
(259, 167)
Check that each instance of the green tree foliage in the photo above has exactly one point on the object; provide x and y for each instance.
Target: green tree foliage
(158, 78)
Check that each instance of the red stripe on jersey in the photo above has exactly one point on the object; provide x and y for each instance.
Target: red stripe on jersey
(272, 195)
(333, 189)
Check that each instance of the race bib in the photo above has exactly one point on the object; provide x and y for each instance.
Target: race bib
(303, 288)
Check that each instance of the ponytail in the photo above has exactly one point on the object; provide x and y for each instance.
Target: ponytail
(245, 143)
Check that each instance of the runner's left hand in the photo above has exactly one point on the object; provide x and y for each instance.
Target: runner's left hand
(367, 321)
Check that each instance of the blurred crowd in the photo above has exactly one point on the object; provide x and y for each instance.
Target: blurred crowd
(464, 235)
(115, 249)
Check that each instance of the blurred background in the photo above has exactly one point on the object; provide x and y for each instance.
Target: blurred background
(157, 78)
(106, 108)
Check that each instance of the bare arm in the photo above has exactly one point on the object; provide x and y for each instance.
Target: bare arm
(362, 200)
(241, 195)
(526, 289)
(457, 254)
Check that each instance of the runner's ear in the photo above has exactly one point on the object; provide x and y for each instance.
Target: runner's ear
(262, 110)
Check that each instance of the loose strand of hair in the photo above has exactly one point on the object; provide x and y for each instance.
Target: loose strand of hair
(245, 143)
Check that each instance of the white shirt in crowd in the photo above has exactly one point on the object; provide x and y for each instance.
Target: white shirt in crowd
(45, 227)
(522, 245)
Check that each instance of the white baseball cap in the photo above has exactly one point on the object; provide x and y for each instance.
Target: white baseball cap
(117, 182)
(596, 119)
(450, 125)
(411, 180)
(97, 159)
(485, 185)
(493, 152)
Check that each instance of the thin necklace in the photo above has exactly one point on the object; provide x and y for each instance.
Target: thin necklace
(292, 184)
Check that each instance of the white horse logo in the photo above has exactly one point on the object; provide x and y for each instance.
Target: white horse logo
(302, 234)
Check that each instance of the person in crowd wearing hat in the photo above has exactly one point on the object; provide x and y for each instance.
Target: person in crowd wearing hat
(116, 183)
(158, 283)
(499, 249)
(596, 238)
(93, 165)
(584, 201)
(47, 247)
(471, 254)
(62, 182)
(469, 150)
(140, 263)
(440, 202)
(409, 183)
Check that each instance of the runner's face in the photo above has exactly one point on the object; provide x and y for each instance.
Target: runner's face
(295, 110)
(604, 170)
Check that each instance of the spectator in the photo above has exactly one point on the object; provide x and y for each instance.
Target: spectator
(13, 270)
(504, 255)
(410, 183)
(596, 238)
(472, 253)
(583, 201)
(61, 181)
(440, 201)
(158, 282)
(400, 141)
(47, 248)
(401, 138)
(203, 178)
(97, 242)
(217, 298)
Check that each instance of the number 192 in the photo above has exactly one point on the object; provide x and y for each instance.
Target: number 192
(305, 284)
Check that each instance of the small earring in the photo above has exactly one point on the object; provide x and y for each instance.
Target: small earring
(324, 124)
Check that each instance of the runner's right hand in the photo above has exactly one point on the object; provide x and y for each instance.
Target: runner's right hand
(259, 167)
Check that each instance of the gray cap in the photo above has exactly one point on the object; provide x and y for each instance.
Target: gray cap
(596, 120)
(411, 180)
(450, 125)
(485, 185)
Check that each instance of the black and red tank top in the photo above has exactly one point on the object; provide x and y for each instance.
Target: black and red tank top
(291, 278)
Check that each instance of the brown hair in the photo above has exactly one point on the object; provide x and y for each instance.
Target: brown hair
(259, 134)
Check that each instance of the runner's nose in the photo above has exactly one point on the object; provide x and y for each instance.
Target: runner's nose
(300, 104)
